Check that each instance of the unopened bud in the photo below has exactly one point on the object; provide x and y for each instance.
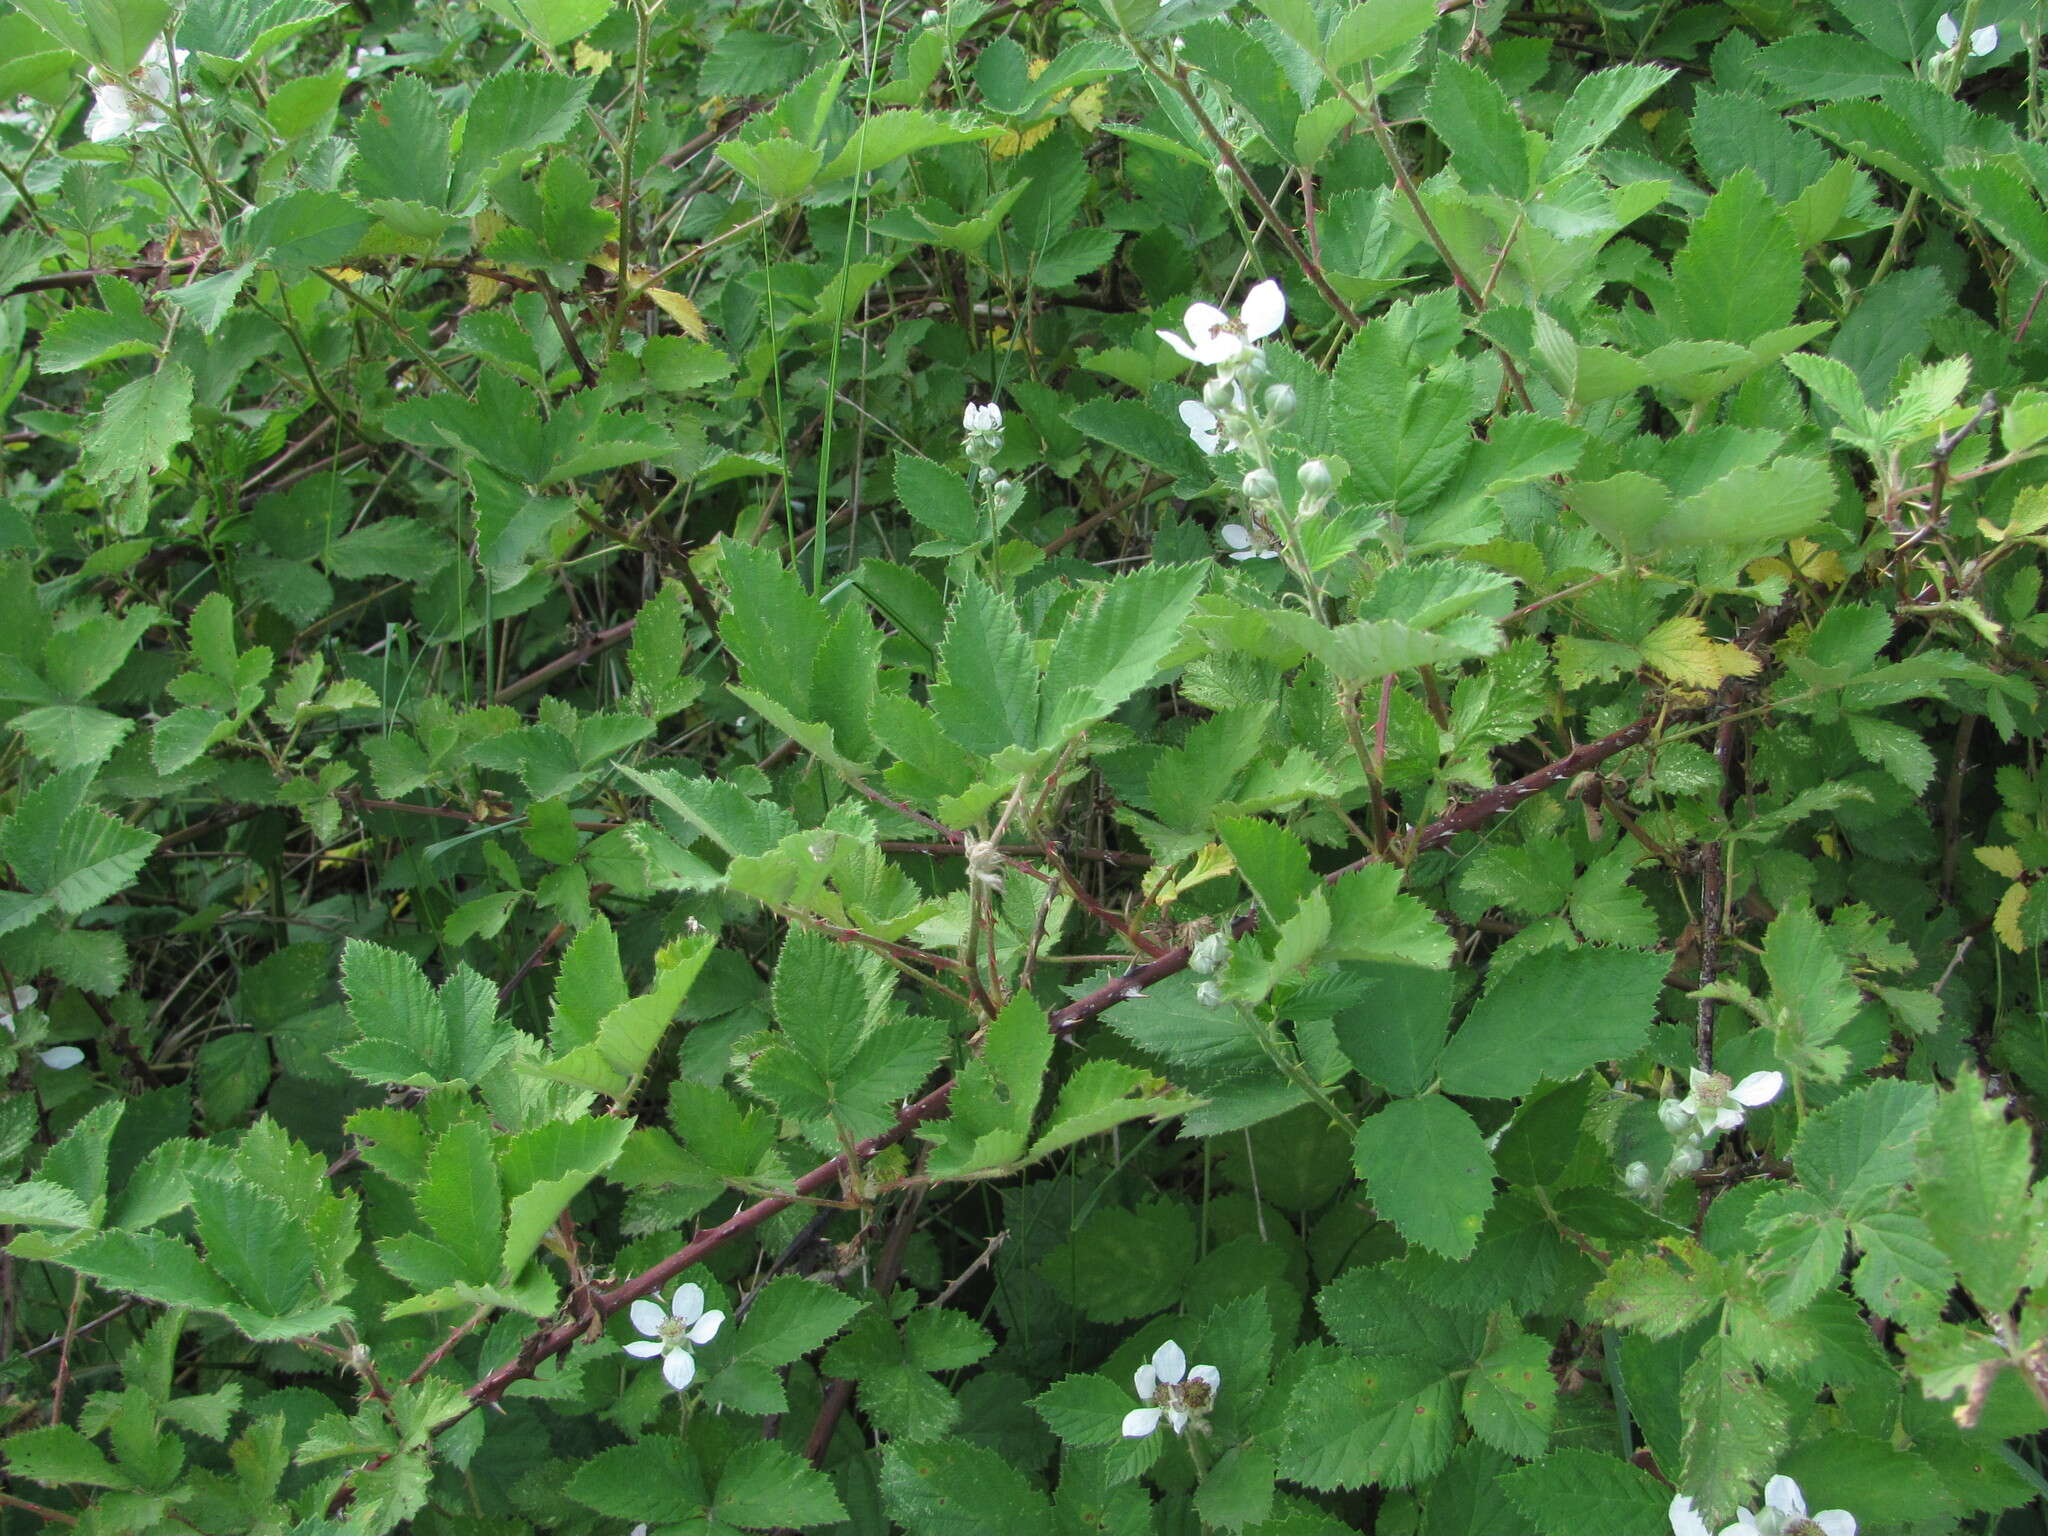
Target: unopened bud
(1280, 401)
(1208, 956)
(1259, 485)
(930, 19)
(1226, 180)
(1315, 478)
(1688, 1159)
(1636, 1176)
(1220, 394)
(1209, 995)
(1675, 1115)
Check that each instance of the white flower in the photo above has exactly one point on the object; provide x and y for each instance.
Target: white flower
(1214, 337)
(1245, 544)
(1203, 425)
(1784, 1514)
(1685, 1520)
(130, 103)
(1171, 1391)
(58, 1057)
(1716, 1105)
(1982, 39)
(364, 58)
(673, 1336)
(982, 418)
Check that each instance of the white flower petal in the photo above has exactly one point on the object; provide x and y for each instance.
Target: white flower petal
(1783, 1495)
(1982, 41)
(705, 1329)
(1759, 1088)
(1726, 1118)
(1209, 1375)
(1836, 1522)
(1146, 1380)
(59, 1057)
(1171, 1362)
(1201, 424)
(1265, 307)
(1203, 321)
(1945, 31)
(1235, 536)
(1140, 1422)
(18, 1000)
(646, 1316)
(679, 1368)
(1178, 1418)
(111, 117)
(687, 1305)
(1685, 1520)
(644, 1349)
(1181, 345)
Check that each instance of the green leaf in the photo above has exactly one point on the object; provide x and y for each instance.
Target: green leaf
(1583, 1493)
(1397, 1034)
(302, 230)
(410, 1034)
(955, 1488)
(789, 1318)
(765, 1486)
(552, 23)
(1085, 1410)
(939, 499)
(1974, 1189)
(1738, 275)
(1599, 104)
(986, 697)
(1734, 1427)
(1469, 111)
(253, 1244)
(1111, 644)
(1273, 862)
(1511, 1397)
(996, 1094)
(1427, 1170)
(133, 433)
(1353, 1422)
(56, 1455)
(1552, 1015)
(1373, 29)
(625, 1039)
(402, 151)
(514, 115)
(68, 852)
(460, 1201)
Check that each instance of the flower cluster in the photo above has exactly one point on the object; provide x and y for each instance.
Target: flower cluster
(1714, 1106)
(58, 1057)
(1170, 1391)
(1236, 412)
(984, 428)
(676, 1334)
(1783, 1514)
(133, 103)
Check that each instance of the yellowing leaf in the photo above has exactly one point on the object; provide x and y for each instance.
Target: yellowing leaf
(2006, 921)
(681, 310)
(1681, 650)
(1821, 567)
(590, 60)
(1006, 145)
(483, 291)
(1212, 863)
(1086, 109)
(2000, 861)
